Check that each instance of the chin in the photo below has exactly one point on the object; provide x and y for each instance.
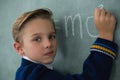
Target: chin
(49, 62)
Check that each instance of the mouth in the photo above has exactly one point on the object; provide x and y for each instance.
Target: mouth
(49, 53)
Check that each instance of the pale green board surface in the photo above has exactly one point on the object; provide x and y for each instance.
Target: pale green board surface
(76, 31)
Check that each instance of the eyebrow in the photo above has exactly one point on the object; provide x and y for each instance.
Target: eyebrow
(41, 33)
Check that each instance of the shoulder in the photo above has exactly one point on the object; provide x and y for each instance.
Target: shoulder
(32, 71)
(27, 69)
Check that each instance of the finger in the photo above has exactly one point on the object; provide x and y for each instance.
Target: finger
(108, 14)
(113, 18)
(103, 12)
(97, 12)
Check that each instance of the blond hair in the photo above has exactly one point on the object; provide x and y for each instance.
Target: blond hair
(26, 17)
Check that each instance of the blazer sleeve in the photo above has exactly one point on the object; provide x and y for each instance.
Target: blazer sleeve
(98, 65)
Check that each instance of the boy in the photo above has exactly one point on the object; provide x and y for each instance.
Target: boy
(35, 40)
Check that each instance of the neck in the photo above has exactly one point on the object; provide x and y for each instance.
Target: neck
(49, 66)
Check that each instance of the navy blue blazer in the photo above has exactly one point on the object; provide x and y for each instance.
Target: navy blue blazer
(97, 66)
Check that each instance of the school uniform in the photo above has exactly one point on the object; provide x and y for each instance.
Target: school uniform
(97, 66)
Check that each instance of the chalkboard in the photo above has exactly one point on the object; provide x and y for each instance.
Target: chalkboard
(75, 32)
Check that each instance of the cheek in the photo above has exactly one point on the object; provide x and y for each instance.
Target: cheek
(32, 48)
(34, 52)
(55, 44)
(35, 48)
(55, 47)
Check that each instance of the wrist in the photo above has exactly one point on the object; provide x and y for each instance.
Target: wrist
(106, 36)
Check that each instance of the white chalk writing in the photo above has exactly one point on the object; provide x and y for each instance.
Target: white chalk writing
(72, 19)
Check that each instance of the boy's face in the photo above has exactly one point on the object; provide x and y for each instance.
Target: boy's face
(39, 41)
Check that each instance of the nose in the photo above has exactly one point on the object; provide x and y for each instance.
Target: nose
(47, 43)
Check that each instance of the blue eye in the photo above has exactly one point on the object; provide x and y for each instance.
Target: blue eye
(52, 37)
(37, 39)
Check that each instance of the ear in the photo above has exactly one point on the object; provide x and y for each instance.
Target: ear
(18, 48)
